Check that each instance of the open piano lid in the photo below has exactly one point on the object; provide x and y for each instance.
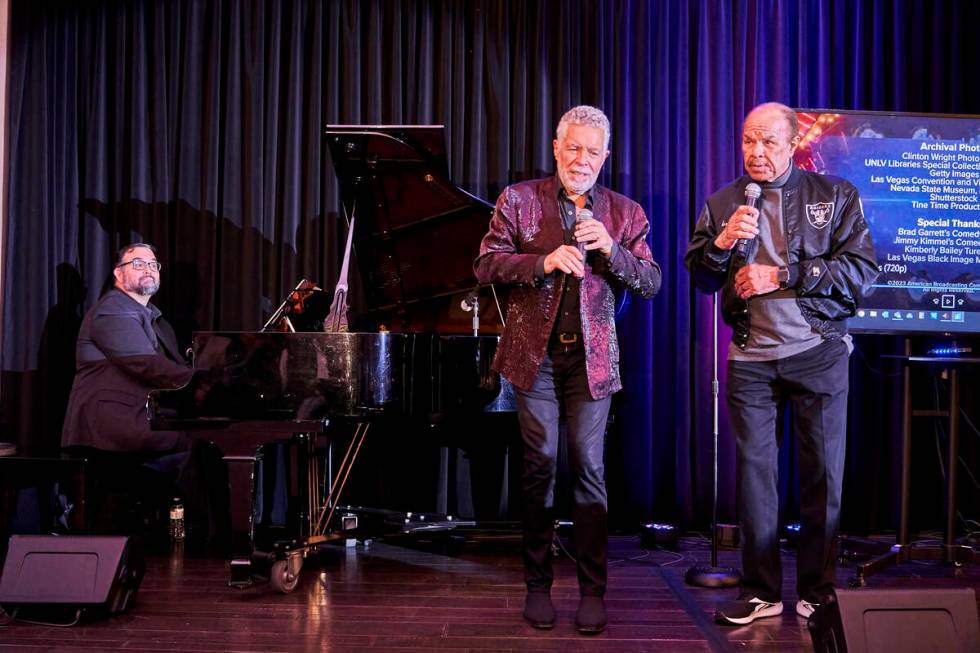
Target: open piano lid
(416, 232)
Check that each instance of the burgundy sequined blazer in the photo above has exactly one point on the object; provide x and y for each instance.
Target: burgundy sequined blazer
(525, 227)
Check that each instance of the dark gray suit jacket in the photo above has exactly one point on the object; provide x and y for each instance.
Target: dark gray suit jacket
(124, 350)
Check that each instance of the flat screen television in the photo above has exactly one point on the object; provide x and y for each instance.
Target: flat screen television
(919, 179)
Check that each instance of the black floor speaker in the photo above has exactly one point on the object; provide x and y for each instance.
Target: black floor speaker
(93, 576)
(897, 621)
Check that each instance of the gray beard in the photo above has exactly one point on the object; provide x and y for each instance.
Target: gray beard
(577, 189)
(145, 288)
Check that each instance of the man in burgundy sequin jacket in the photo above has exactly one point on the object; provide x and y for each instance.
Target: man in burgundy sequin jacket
(565, 245)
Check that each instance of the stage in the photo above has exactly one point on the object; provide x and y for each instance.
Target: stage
(382, 597)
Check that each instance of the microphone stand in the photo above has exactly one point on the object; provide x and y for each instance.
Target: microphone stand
(471, 304)
(714, 576)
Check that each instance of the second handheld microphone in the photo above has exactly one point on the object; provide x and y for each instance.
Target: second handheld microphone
(752, 194)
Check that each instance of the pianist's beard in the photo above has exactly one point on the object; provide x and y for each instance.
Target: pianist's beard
(147, 286)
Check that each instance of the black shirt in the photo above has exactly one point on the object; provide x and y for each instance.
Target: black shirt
(569, 315)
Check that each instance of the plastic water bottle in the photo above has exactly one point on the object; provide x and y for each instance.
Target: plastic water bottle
(177, 521)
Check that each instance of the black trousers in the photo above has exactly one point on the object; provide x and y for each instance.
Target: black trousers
(814, 383)
(561, 389)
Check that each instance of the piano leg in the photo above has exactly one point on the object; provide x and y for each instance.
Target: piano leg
(241, 477)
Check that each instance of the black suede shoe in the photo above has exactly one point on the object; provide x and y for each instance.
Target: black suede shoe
(591, 616)
(539, 611)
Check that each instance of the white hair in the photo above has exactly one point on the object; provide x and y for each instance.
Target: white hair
(587, 116)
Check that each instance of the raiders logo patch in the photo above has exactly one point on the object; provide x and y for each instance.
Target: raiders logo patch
(818, 215)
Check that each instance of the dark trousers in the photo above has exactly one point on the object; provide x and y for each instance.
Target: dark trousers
(561, 389)
(814, 383)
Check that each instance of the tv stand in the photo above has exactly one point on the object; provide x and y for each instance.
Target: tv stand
(902, 551)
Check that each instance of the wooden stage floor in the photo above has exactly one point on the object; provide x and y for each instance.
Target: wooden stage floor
(383, 597)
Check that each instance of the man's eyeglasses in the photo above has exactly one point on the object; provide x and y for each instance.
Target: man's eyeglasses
(139, 264)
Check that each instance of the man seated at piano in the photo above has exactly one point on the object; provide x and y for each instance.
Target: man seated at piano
(565, 245)
(125, 349)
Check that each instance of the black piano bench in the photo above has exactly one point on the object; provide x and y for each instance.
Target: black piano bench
(124, 496)
(41, 493)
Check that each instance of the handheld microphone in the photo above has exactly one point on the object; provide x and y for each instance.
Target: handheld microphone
(752, 194)
(581, 215)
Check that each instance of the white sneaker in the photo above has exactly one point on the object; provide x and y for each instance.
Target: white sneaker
(745, 611)
(805, 608)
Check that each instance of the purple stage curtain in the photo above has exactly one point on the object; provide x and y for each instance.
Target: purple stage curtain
(196, 125)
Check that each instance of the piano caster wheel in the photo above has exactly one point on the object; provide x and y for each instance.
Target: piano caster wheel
(281, 579)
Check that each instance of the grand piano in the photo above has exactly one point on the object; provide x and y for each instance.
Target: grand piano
(314, 375)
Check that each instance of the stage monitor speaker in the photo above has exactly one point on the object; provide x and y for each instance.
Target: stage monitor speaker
(897, 621)
(91, 575)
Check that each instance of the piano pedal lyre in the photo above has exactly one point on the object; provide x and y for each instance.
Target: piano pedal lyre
(319, 529)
